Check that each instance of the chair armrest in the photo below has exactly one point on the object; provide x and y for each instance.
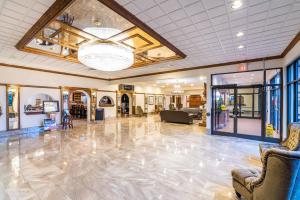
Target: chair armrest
(267, 155)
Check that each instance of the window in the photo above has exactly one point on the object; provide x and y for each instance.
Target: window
(293, 90)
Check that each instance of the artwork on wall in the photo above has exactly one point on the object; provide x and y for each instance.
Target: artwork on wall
(106, 101)
(150, 100)
(35, 104)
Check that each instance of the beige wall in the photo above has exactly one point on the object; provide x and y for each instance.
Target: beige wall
(26, 94)
(109, 112)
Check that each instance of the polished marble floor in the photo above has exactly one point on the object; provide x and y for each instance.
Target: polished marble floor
(129, 158)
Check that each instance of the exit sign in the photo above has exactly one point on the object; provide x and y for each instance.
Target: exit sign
(243, 67)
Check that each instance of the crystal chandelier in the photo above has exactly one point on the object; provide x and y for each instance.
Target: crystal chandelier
(105, 55)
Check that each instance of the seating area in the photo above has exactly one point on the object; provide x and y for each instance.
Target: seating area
(279, 177)
(174, 116)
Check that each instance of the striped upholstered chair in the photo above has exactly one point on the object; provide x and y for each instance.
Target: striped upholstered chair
(279, 178)
(291, 143)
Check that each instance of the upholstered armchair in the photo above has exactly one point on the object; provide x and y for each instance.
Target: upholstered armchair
(291, 143)
(279, 178)
(140, 112)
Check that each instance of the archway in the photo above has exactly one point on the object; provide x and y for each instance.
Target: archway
(79, 104)
(125, 104)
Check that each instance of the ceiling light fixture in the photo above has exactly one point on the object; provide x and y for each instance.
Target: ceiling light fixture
(241, 47)
(105, 55)
(236, 4)
(240, 34)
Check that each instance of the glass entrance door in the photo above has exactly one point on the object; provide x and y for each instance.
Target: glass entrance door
(249, 104)
(224, 110)
(237, 111)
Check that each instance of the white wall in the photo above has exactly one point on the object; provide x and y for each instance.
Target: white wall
(109, 112)
(26, 95)
(140, 100)
(3, 106)
(28, 77)
(293, 54)
(36, 78)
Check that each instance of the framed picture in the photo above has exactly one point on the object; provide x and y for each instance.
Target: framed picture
(150, 100)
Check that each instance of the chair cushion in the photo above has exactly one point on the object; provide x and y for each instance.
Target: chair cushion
(263, 147)
(246, 177)
(292, 142)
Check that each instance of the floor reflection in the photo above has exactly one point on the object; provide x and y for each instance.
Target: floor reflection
(130, 158)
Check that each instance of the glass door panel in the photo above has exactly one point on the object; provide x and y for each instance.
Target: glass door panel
(273, 112)
(248, 115)
(223, 110)
(13, 108)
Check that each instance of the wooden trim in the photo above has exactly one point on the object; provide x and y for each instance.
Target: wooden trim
(39, 86)
(291, 45)
(51, 71)
(55, 9)
(113, 5)
(200, 67)
(112, 91)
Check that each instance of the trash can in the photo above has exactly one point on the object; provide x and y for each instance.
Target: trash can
(99, 114)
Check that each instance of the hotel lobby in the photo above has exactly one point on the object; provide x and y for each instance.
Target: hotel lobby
(150, 99)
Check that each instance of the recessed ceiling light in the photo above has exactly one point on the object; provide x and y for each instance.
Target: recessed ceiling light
(241, 47)
(236, 4)
(240, 34)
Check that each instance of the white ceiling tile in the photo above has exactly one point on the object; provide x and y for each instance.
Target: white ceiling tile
(199, 17)
(170, 5)
(279, 11)
(177, 15)
(184, 22)
(212, 3)
(187, 2)
(218, 11)
(163, 20)
(132, 8)
(195, 8)
(155, 12)
(144, 17)
(144, 6)
(263, 7)
(280, 3)
(257, 17)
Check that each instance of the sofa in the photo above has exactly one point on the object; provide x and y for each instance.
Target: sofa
(279, 178)
(176, 117)
(291, 143)
(196, 113)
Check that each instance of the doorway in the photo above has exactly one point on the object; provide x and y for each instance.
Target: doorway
(237, 110)
(78, 105)
(125, 105)
(248, 107)
(12, 107)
